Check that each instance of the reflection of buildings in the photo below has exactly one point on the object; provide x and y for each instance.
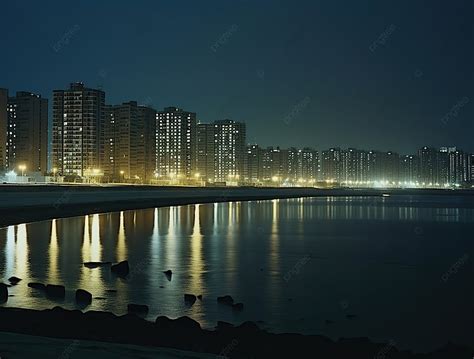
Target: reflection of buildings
(196, 265)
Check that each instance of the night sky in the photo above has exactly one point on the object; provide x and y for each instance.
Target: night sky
(388, 75)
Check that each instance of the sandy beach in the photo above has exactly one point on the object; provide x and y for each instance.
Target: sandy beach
(29, 203)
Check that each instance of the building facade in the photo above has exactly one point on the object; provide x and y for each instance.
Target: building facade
(176, 144)
(78, 119)
(129, 145)
(206, 151)
(230, 145)
(3, 129)
(27, 137)
(222, 151)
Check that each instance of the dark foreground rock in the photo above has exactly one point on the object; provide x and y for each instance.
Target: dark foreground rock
(96, 264)
(3, 293)
(121, 269)
(226, 299)
(137, 308)
(189, 299)
(55, 291)
(83, 297)
(168, 273)
(244, 341)
(14, 280)
(39, 286)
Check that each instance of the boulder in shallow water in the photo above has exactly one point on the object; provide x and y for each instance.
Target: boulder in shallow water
(137, 308)
(96, 264)
(83, 296)
(226, 299)
(168, 273)
(189, 299)
(14, 280)
(121, 269)
(55, 291)
(3, 293)
(39, 286)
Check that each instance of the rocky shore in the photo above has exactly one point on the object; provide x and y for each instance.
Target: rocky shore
(244, 341)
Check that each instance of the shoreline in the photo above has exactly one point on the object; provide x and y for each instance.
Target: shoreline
(243, 341)
(32, 203)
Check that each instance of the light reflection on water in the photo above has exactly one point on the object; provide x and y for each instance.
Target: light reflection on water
(380, 255)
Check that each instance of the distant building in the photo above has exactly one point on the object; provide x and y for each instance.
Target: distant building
(409, 169)
(332, 165)
(222, 151)
(230, 142)
(354, 166)
(206, 151)
(3, 129)
(391, 167)
(291, 165)
(176, 145)
(442, 167)
(253, 164)
(307, 165)
(429, 161)
(78, 118)
(471, 168)
(459, 167)
(129, 143)
(27, 137)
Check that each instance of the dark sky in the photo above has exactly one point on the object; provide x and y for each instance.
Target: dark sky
(302, 73)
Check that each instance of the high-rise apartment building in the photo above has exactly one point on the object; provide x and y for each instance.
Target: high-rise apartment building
(27, 135)
(409, 169)
(253, 164)
(471, 168)
(129, 142)
(230, 145)
(459, 171)
(3, 128)
(355, 165)
(307, 164)
(78, 118)
(147, 116)
(205, 151)
(176, 143)
(428, 158)
(222, 151)
(331, 165)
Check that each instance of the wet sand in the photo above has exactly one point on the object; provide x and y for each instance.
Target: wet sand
(29, 203)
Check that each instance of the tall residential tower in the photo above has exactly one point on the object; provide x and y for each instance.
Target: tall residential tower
(27, 138)
(78, 118)
(175, 143)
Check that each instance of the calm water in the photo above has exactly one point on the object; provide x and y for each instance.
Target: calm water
(293, 263)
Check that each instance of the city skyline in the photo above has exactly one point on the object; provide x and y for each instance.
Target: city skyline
(103, 142)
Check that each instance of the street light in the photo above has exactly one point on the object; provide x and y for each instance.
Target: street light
(55, 171)
(122, 175)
